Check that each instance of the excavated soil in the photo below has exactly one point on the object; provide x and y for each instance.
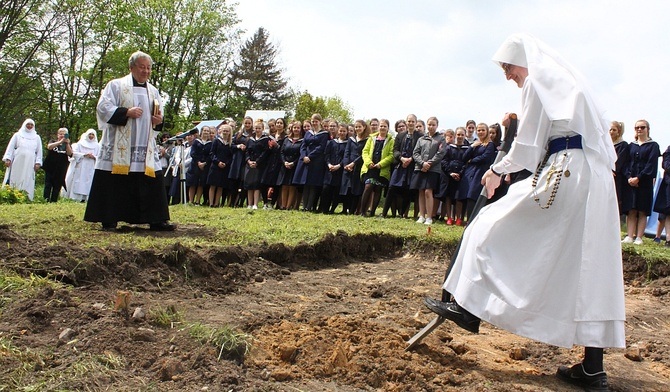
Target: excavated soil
(334, 316)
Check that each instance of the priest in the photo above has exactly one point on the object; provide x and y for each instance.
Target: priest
(128, 181)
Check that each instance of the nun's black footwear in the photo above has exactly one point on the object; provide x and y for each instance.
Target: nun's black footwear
(454, 312)
(577, 376)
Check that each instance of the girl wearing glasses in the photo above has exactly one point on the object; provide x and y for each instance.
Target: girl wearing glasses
(641, 173)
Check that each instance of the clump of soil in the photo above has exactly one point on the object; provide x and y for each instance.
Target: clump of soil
(333, 316)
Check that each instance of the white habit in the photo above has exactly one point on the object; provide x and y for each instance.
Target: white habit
(553, 275)
(24, 151)
(82, 167)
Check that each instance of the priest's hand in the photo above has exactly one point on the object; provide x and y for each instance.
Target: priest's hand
(37, 166)
(157, 119)
(134, 112)
(8, 163)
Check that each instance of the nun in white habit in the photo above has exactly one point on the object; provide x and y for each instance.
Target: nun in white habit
(82, 166)
(544, 261)
(23, 158)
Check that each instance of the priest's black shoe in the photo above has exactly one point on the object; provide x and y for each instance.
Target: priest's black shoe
(577, 376)
(111, 227)
(162, 226)
(452, 311)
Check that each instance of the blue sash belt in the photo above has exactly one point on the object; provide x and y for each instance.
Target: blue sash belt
(564, 143)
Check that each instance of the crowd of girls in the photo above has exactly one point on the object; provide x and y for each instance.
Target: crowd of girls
(321, 165)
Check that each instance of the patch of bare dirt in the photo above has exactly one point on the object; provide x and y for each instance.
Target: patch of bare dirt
(334, 316)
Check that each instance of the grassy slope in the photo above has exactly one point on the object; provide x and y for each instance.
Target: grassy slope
(224, 226)
(227, 227)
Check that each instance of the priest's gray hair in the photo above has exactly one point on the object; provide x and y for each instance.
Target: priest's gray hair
(136, 56)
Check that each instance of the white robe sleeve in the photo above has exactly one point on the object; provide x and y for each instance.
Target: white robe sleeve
(108, 103)
(9, 152)
(76, 153)
(532, 135)
(38, 152)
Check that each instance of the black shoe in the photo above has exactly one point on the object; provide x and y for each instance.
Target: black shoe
(452, 311)
(111, 227)
(162, 226)
(577, 376)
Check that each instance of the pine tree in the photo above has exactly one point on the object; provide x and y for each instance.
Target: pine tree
(256, 77)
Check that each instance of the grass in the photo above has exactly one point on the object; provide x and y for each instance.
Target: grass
(19, 363)
(229, 342)
(202, 227)
(10, 282)
(26, 371)
(207, 227)
(13, 286)
(165, 317)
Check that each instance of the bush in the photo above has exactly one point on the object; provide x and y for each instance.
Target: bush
(9, 195)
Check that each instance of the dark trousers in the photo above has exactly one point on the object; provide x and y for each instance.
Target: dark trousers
(310, 196)
(330, 198)
(51, 190)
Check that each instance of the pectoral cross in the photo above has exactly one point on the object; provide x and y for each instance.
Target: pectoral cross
(550, 173)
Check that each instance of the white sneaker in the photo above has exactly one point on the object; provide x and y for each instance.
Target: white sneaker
(627, 240)
(248, 207)
(638, 241)
(429, 221)
(421, 220)
(254, 207)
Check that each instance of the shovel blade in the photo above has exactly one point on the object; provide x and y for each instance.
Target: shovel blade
(416, 339)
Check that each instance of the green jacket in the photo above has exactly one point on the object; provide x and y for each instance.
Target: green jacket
(387, 155)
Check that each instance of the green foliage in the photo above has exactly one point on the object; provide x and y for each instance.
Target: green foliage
(25, 29)
(165, 317)
(9, 195)
(231, 343)
(327, 107)
(338, 110)
(256, 78)
(56, 56)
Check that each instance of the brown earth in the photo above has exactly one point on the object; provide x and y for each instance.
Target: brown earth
(335, 316)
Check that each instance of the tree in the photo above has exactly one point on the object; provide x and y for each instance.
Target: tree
(256, 77)
(327, 107)
(338, 110)
(57, 55)
(192, 44)
(26, 27)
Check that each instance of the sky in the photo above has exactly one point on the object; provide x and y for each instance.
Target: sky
(389, 58)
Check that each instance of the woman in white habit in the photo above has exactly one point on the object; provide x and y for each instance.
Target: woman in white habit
(82, 166)
(544, 261)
